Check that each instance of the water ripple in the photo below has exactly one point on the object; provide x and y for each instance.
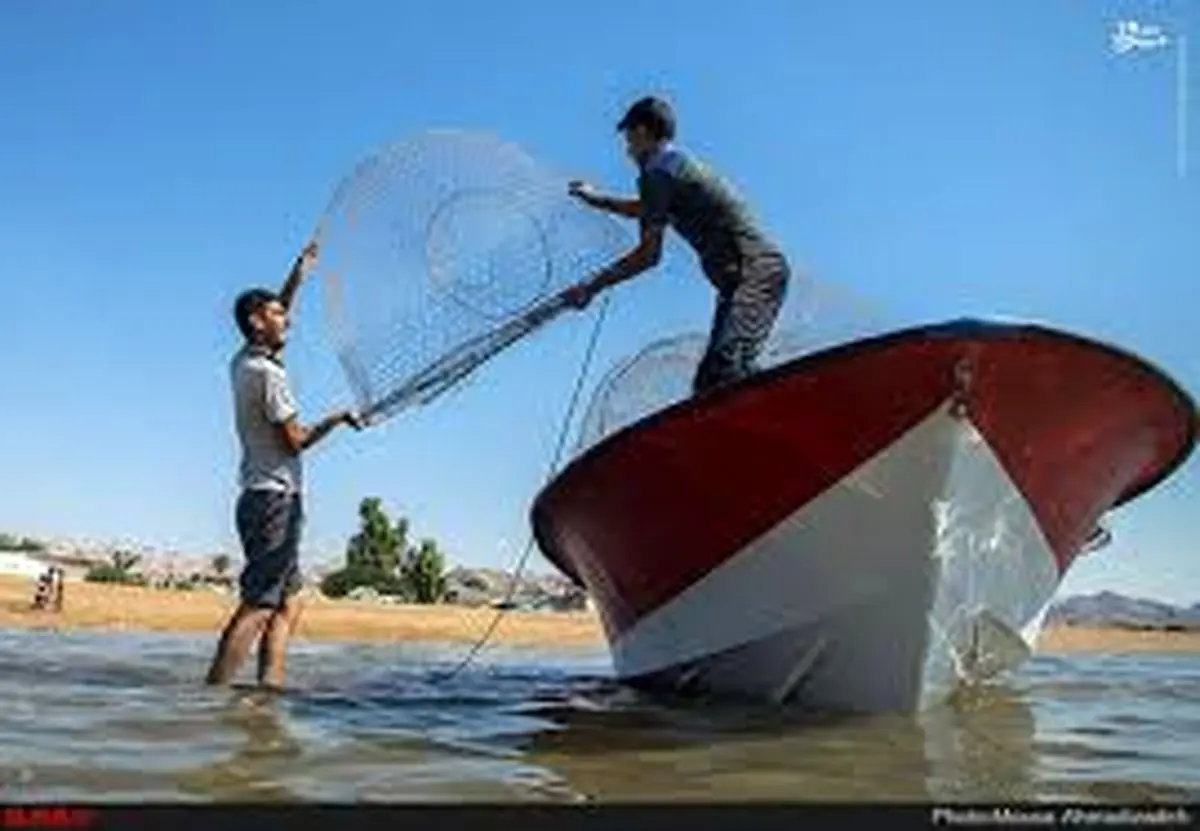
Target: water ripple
(104, 717)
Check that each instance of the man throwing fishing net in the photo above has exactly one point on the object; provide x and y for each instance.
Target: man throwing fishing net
(269, 510)
(746, 267)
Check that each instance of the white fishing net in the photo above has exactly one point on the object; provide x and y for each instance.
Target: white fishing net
(442, 249)
(817, 315)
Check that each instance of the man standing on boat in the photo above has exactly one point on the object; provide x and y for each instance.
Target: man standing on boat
(744, 265)
(269, 512)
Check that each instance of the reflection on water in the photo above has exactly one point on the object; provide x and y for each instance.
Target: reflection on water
(114, 717)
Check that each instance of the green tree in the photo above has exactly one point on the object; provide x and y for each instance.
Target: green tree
(379, 556)
(221, 564)
(9, 542)
(424, 573)
(345, 580)
(124, 561)
(373, 555)
(378, 547)
(119, 569)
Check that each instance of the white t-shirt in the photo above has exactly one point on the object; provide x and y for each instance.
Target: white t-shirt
(262, 401)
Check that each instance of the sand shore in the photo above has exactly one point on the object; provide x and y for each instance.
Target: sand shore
(127, 608)
(1065, 639)
(131, 608)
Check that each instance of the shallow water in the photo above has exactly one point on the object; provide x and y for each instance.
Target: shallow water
(100, 717)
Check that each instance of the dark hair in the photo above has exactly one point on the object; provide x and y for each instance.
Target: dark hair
(652, 113)
(248, 303)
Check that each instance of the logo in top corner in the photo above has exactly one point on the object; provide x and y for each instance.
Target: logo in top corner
(1130, 35)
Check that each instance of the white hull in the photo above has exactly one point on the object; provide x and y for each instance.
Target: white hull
(922, 569)
(867, 527)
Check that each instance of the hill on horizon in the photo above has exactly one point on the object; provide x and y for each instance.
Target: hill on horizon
(1109, 609)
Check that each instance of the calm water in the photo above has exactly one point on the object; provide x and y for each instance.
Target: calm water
(113, 717)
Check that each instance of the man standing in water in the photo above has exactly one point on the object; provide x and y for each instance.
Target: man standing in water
(744, 265)
(269, 511)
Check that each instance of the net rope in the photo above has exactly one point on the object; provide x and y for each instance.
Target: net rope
(441, 250)
(560, 450)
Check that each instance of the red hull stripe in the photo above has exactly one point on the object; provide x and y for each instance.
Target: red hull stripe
(648, 512)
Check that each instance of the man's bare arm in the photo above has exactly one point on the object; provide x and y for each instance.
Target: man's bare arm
(644, 256)
(299, 438)
(630, 208)
(303, 264)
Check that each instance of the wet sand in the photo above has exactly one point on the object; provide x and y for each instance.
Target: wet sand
(127, 608)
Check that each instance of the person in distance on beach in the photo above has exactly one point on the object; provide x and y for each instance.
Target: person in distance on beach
(269, 512)
(746, 267)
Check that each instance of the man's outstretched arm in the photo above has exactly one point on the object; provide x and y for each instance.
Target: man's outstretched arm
(299, 438)
(280, 409)
(654, 199)
(643, 257)
(630, 208)
(305, 260)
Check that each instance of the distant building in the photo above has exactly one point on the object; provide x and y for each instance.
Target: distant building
(21, 564)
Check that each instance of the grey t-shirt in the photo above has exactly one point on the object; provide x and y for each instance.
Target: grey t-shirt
(262, 401)
(677, 190)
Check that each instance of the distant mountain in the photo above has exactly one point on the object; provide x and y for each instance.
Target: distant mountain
(1111, 609)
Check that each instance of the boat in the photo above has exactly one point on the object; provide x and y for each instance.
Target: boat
(863, 528)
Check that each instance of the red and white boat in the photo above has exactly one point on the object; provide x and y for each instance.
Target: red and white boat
(866, 527)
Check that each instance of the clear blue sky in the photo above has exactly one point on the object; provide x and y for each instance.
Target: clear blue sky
(937, 158)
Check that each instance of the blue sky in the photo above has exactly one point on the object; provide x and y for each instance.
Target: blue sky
(936, 159)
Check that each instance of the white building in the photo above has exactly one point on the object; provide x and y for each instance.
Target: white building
(20, 564)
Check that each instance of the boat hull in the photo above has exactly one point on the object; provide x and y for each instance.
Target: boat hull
(866, 528)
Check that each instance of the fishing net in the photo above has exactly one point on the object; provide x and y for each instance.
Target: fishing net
(817, 315)
(441, 250)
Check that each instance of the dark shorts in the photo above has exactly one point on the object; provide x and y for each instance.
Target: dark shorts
(743, 321)
(269, 524)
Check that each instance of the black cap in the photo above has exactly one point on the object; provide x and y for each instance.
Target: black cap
(653, 113)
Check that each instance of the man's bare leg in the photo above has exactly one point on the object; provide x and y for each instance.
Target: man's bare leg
(239, 635)
(272, 649)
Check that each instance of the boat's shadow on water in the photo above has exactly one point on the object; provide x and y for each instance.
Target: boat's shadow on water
(979, 747)
(986, 744)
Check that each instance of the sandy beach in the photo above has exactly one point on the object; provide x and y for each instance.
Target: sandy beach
(131, 608)
(128, 608)
(1063, 639)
